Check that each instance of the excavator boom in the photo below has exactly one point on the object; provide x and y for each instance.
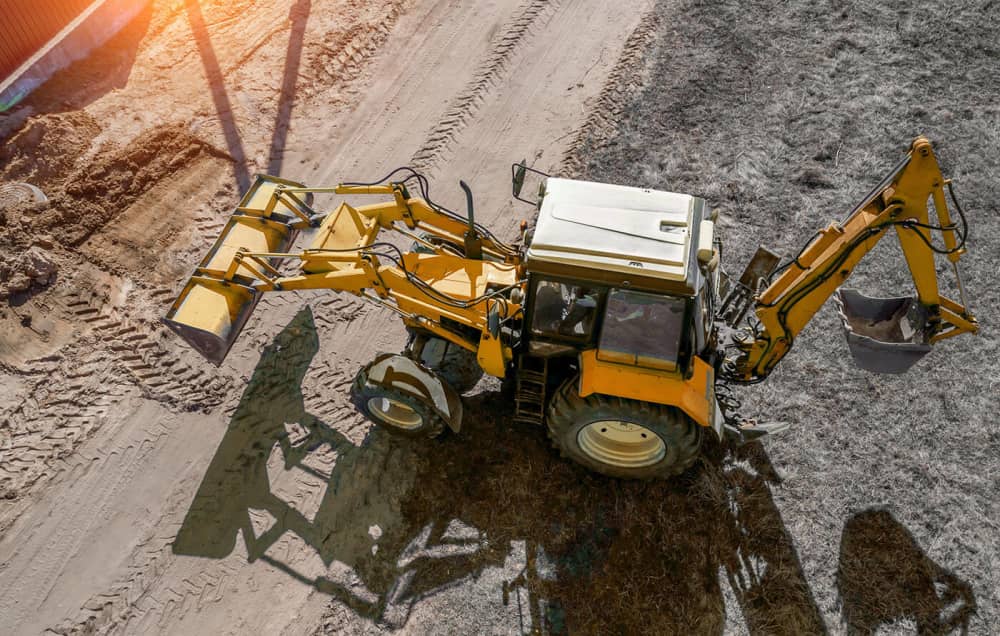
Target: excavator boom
(791, 296)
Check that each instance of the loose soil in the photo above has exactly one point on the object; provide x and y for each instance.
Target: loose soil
(144, 490)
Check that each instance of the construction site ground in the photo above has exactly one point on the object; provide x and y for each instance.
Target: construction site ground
(144, 490)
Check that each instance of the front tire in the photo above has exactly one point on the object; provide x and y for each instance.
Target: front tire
(622, 438)
(397, 412)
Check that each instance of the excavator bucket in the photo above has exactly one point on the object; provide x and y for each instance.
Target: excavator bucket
(885, 335)
(215, 303)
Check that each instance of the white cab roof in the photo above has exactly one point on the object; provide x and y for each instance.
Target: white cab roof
(611, 227)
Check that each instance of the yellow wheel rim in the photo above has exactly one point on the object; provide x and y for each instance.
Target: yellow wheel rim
(621, 444)
(394, 413)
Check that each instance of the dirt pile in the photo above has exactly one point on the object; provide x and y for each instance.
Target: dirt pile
(34, 266)
(109, 182)
(47, 148)
(86, 188)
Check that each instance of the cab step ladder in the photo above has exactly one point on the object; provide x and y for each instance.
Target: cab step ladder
(529, 400)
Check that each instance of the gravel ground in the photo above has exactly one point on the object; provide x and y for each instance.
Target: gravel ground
(784, 115)
(875, 513)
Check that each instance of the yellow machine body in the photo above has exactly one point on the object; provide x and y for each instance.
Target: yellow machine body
(695, 394)
(460, 285)
(424, 289)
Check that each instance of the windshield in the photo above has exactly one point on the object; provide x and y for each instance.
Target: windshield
(642, 329)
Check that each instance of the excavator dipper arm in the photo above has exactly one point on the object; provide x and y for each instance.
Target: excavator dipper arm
(798, 289)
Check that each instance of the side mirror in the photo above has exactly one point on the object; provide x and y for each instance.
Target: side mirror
(518, 179)
(518, 175)
(493, 321)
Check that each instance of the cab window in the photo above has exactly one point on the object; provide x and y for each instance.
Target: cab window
(642, 329)
(562, 309)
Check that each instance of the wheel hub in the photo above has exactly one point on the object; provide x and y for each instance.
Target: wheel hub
(619, 443)
(394, 413)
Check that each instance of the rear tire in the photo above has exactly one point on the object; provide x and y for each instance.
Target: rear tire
(397, 412)
(622, 438)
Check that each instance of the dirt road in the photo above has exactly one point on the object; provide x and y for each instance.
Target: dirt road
(149, 492)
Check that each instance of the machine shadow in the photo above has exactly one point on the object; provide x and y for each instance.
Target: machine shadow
(626, 556)
(598, 554)
(884, 576)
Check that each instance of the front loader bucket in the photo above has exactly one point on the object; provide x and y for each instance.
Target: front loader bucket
(885, 335)
(215, 303)
(209, 315)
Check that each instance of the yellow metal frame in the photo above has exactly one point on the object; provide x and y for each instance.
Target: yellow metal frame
(695, 395)
(792, 299)
(429, 291)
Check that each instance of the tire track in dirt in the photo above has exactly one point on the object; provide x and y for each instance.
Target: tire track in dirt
(162, 374)
(343, 61)
(153, 589)
(625, 78)
(128, 599)
(143, 600)
(46, 561)
(72, 392)
(154, 364)
(533, 15)
(208, 224)
(60, 411)
(162, 371)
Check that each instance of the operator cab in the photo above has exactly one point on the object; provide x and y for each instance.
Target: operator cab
(617, 268)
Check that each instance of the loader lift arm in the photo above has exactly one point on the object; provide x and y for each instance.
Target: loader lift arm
(436, 290)
(797, 290)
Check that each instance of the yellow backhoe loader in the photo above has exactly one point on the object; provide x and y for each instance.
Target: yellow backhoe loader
(613, 319)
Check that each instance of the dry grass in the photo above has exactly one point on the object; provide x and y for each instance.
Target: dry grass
(877, 512)
(630, 557)
(783, 115)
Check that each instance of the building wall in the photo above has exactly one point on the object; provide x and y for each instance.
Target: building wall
(26, 25)
(29, 51)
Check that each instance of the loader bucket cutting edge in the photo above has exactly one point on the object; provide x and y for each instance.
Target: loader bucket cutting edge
(885, 335)
(210, 314)
(211, 310)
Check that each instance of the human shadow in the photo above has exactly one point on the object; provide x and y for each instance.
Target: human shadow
(217, 87)
(884, 576)
(298, 15)
(237, 480)
(598, 555)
